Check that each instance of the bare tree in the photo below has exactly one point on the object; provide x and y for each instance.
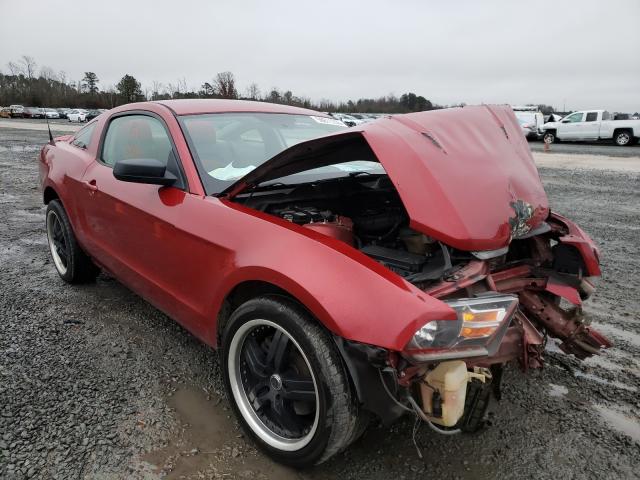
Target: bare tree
(47, 73)
(253, 91)
(182, 86)
(225, 85)
(29, 66)
(172, 90)
(155, 87)
(15, 69)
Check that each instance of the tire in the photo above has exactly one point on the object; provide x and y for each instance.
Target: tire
(269, 342)
(71, 263)
(623, 138)
(549, 137)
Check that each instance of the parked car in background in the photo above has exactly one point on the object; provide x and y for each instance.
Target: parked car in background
(91, 114)
(51, 113)
(33, 112)
(62, 112)
(592, 125)
(364, 118)
(17, 111)
(77, 115)
(384, 270)
(5, 112)
(531, 121)
(348, 120)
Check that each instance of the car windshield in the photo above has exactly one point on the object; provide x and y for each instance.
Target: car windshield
(227, 146)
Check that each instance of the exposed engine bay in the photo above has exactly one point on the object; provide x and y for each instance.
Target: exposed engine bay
(365, 213)
(545, 272)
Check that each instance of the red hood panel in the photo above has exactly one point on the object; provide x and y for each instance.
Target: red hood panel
(465, 175)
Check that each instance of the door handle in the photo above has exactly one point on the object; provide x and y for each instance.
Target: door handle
(91, 186)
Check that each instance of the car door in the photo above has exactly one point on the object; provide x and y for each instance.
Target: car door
(132, 226)
(591, 126)
(571, 126)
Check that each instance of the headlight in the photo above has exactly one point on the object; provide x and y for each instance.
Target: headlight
(478, 330)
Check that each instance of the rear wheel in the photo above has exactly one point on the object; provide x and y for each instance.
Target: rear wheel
(72, 264)
(286, 382)
(622, 138)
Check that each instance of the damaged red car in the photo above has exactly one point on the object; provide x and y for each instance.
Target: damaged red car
(387, 269)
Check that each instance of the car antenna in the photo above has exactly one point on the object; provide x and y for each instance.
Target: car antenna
(51, 142)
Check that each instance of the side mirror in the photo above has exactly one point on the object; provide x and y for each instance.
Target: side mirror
(143, 170)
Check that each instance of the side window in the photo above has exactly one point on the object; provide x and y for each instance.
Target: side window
(606, 115)
(83, 137)
(140, 136)
(575, 117)
(591, 117)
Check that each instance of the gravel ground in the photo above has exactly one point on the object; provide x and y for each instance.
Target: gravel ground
(96, 383)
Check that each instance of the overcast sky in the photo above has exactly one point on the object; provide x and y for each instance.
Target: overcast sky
(578, 53)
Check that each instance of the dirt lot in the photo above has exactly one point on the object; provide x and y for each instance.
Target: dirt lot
(96, 383)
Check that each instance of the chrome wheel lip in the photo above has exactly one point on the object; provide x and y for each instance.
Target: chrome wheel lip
(242, 400)
(52, 218)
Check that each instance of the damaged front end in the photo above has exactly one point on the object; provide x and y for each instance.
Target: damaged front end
(459, 212)
(507, 304)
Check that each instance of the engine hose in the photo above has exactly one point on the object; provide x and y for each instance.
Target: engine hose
(416, 409)
(395, 400)
(424, 417)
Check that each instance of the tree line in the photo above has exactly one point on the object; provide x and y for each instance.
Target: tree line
(24, 84)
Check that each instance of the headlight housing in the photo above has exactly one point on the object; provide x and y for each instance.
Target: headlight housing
(478, 330)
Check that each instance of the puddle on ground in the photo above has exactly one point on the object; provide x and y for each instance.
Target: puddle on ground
(210, 443)
(604, 381)
(557, 390)
(620, 421)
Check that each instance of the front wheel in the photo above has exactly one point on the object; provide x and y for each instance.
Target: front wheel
(287, 383)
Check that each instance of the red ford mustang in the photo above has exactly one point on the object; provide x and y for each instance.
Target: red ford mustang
(344, 273)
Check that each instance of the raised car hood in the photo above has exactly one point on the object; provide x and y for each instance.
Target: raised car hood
(465, 175)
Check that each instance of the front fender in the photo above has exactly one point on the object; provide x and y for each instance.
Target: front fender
(550, 126)
(352, 295)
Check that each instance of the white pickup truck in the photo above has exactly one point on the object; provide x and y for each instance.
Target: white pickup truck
(592, 125)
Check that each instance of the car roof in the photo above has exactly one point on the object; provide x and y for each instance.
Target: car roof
(218, 105)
